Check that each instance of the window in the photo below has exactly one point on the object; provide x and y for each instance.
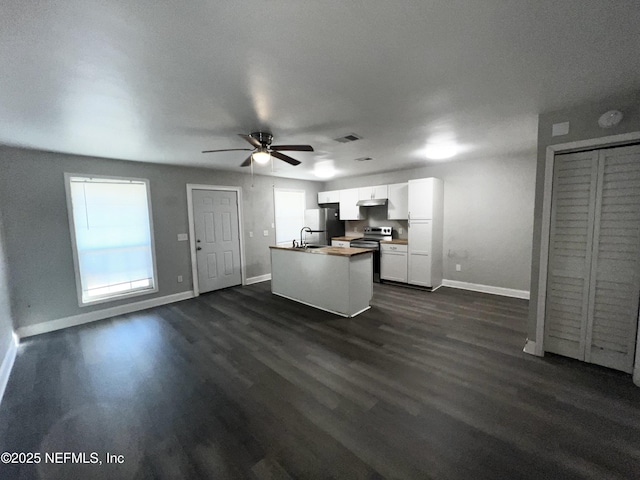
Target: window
(289, 208)
(112, 237)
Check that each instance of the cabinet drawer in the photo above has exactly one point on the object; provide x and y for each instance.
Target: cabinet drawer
(392, 247)
(340, 243)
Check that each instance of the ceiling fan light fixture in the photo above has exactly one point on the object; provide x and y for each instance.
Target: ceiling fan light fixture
(261, 156)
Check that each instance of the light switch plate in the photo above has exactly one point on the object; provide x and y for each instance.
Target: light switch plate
(250, 234)
(183, 237)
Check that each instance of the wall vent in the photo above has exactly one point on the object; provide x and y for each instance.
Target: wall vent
(351, 137)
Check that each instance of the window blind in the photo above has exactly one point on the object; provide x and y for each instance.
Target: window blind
(113, 236)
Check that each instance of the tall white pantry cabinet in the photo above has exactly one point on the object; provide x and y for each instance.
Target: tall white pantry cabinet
(425, 222)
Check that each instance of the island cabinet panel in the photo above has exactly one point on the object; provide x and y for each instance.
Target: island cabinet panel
(340, 284)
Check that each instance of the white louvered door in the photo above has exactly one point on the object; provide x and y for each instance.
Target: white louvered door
(571, 237)
(615, 271)
(593, 283)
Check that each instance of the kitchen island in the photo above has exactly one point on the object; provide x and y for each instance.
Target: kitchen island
(335, 279)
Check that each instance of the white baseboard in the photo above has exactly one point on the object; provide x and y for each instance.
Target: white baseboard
(258, 279)
(7, 365)
(60, 323)
(476, 287)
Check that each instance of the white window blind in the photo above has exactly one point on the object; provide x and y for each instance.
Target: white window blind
(113, 240)
(289, 212)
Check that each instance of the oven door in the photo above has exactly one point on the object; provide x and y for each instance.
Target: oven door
(375, 246)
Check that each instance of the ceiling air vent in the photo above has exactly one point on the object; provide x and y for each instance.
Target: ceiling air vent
(363, 159)
(351, 137)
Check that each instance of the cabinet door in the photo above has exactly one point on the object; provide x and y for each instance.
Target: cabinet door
(365, 193)
(421, 198)
(329, 197)
(398, 203)
(393, 266)
(420, 252)
(348, 208)
(379, 192)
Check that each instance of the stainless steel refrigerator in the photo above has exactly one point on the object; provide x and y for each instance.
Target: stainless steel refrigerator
(325, 219)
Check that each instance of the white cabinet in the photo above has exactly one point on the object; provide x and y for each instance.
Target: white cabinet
(329, 197)
(393, 262)
(340, 243)
(348, 208)
(426, 202)
(398, 203)
(379, 192)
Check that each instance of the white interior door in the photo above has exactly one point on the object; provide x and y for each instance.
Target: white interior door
(215, 214)
(593, 286)
(575, 178)
(615, 272)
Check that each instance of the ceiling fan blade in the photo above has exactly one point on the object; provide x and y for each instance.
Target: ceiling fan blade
(247, 162)
(285, 158)
(297, 148)
(226, 150)
(250, 139)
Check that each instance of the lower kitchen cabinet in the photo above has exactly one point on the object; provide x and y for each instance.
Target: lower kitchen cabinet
(393, 262)
(340, 243)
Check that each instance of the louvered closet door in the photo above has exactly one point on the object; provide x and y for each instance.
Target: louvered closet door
(615, 272)
(571, 236)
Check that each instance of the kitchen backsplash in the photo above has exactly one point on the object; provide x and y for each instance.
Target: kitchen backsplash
(376, 217)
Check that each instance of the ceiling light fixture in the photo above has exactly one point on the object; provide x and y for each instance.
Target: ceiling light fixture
(324, 169)
(610, 119)
(261, 156)
(440, 151)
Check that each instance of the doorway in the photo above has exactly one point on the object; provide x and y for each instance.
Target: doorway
(215, 225)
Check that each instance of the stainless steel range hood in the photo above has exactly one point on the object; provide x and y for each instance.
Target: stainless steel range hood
(372, 202)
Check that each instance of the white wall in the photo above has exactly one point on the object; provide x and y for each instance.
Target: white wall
(488, 216)
(6, 323)
(38, 240)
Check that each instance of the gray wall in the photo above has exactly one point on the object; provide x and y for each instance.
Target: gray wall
(38, 241)
(583, 125)
(488, 216)
(6, 323)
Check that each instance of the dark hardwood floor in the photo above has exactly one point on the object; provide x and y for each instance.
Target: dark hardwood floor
(243, 384)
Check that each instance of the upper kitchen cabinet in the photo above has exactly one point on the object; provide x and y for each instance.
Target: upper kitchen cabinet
(378, 192)
(329, 197)
(398, 203)
(348, 208)
(422, 192)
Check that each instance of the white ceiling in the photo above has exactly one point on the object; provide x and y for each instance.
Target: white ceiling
(161, 81)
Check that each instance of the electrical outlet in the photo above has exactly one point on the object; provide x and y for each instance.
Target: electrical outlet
(273, 225)
(265, 233)
(179, 278)
(250, 234)
(183, 237)
(458, 267)
(400, 231)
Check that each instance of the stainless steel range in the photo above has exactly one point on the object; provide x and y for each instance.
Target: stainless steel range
(371, 239)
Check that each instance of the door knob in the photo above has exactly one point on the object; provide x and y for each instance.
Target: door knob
(199, 248)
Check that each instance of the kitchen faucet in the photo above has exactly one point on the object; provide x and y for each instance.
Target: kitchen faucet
(308, 230)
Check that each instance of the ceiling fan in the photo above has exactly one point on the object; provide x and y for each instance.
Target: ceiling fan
(263, 150)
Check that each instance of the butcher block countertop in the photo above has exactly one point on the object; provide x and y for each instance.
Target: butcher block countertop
(397, 241)
(346, 239)
(337, 251)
